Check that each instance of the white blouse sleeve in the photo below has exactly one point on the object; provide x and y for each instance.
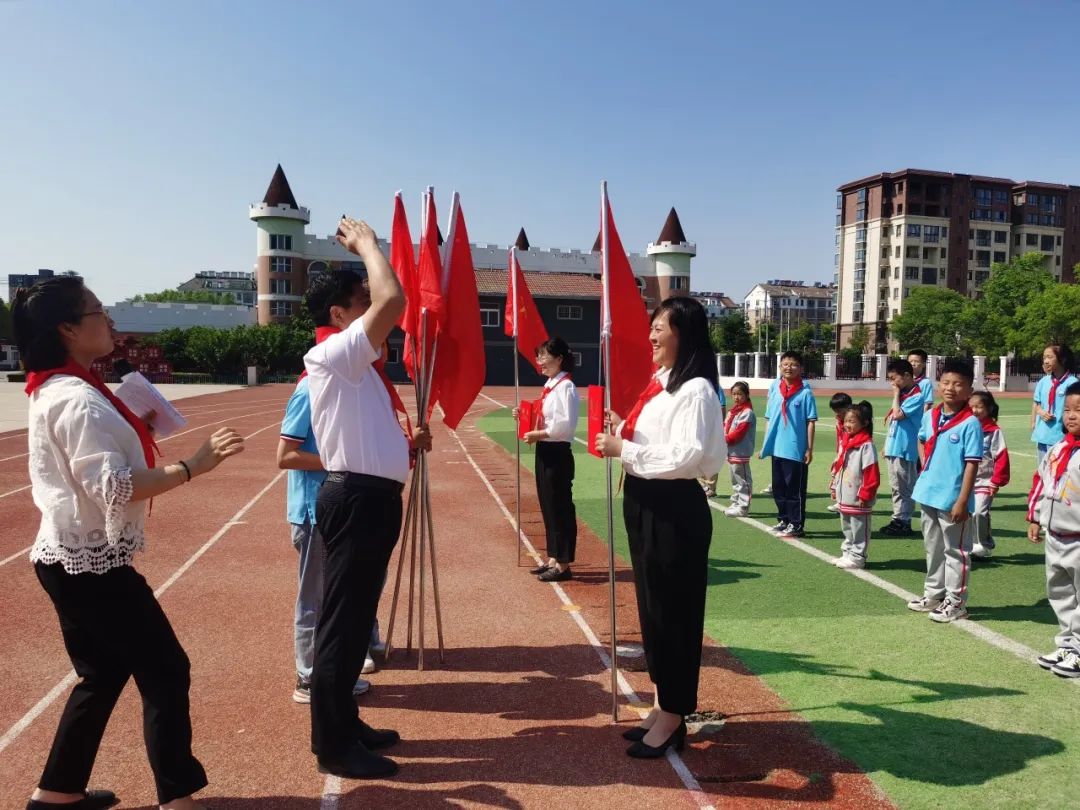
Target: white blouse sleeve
(561, 424)
(348, 353)
(86, 434)
(691, 422)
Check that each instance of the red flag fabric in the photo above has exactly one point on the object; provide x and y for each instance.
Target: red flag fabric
(631, 352)
(459, 367)
(522, 316)
(596, 417)
(429, 292)
(403, 260)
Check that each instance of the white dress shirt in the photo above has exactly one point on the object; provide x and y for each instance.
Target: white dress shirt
(560, 409)
(678, 435)
(356, 428)
(82, 454)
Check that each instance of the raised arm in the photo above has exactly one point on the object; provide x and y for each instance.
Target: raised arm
(387, 297)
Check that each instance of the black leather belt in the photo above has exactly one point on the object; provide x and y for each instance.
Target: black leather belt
(365, 480)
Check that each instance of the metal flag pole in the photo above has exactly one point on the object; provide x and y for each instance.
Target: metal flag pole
(517, 405)
(605, 339)
(434, 565)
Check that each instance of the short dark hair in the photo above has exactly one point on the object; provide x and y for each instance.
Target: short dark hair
(557, 347)
(899, 366)
(36, 315)
(1064, 355)
(960, 368)
(1073, 390)
(865, 412)
(794, 355)
(840, 401)
(686, 317)
(741, 386)
(990, 402)
(333, 289)
(919, 353)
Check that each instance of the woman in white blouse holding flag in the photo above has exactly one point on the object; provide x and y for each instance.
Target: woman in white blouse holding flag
(91, 473)
(673, 436)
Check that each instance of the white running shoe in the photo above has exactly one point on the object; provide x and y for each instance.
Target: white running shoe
(833, 507)
(848, 563)
(1050, 659)
(949, 611)
(981, 552)
(735, 511)
(369, 664)
(767, 490)
(1069, 667)
(924, 604)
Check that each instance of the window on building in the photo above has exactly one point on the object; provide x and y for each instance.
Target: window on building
(1032, 239)
(394, 355)
(839, 201)
(982, 238)
(931, 233)
(929, 275)
(943, 252)
(895, 293)
(983, 196)
(999, 257)
(914, 230)
(568, 312)
(1001, 196)
(860, 234)
(280, 264)
(577, 359)
(900, 187)
(900, 208)
(896, 272)
(896, 251)
(280, 242)
(982, 258)
(1001, 237)
(1033, 199)
(1047, 243)
(897, 231)
(884, 253)
(489, 317)
(860, 212)
(1059, 240)
(1016, 240)
(911, 273)
(1057, 261)
(281, 286)
(911, 252)
(281, 309)
(862, 195)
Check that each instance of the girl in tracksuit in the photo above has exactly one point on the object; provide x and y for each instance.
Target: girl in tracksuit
(855, 483)
(1054, 510)
(740, 431)
(993, 472)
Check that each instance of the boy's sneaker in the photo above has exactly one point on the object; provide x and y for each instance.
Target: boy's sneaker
(981, 552)
(949, 611)
(735, 511)
(1050, 659)
(833, 507)
(924, 604)
(790, 531)
(369, 664)
(767, 490)
(779, 527)
(896, 528)
(1069, 667)
(302, 692)
(848, 563)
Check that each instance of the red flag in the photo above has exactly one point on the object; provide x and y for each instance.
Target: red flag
(459, 367)
(623, 318)
(403, 260)
(429, 293)
(522, 317)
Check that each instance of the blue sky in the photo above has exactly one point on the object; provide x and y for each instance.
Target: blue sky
(133, 135)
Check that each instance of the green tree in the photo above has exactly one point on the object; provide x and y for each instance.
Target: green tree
(5, 321)
(186, 297)
(1053, 316)
(993, 318)
(730, 334)
(859, 339)
(936, 320)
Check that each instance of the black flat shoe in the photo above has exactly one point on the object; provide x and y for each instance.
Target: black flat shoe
(375, 738)
(540, 569)
(634, 734)
(677, 740)
(92, 800)
(555, 575)
(359, 763)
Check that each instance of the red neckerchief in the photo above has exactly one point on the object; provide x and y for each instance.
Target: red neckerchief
(1072, 444)
(914, 390)
(1053, 389)
(937, 427)
(538, 413)
(735, 411)
(849, 442)
(651, 390)
(787, 392)
(35, 379)
(989, 425)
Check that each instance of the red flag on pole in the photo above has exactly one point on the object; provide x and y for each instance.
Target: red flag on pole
(428, 290)
(624, 319)
(460, 368)
(403, 260)
(522, 317)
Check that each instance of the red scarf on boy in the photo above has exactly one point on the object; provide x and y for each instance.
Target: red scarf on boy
(938, 427)
(787, 392)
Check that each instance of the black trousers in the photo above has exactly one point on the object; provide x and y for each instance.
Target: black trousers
(669, 527)
(360, 520)
(555, 491)
(114, 629)
(789, 490)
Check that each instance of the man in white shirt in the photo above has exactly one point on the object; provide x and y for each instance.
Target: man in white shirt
(359, 511)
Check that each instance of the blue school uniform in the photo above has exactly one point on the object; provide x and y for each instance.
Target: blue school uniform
(303, 488)
(902, 440)
(1050, 433)
(788, 439)
(926, 387)
(943, 475)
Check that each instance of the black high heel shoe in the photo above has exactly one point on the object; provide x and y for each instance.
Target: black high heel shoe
(92, 800)
(634, 734)
(677, 740)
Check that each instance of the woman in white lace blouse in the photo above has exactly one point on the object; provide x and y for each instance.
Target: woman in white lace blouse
(92, 471)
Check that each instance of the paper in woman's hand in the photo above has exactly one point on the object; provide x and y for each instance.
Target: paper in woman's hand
(139, 394)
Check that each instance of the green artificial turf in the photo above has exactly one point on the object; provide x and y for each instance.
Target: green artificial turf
(935, 716)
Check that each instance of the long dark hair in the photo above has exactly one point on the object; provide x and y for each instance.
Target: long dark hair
(989, 402)
(1064, 355)
(864, 411)
(36, 315)
(557, 347)
(686, 317)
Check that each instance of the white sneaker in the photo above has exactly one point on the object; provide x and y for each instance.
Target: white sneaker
(833, 507)
(767, 490)
(981, 552)
(369, 664)
(848, 563)
(1050, 659)
(778, 528)
(1069, 667)
(950, 611)
(735, 511)
(924, 604)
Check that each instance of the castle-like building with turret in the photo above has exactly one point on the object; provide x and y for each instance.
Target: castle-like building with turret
(564, 282)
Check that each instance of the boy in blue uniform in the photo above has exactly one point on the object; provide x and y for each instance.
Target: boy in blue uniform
(918, 359)
(951, 450)
(789, 440)
(902, 445)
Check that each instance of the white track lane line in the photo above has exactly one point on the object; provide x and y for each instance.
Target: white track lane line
(14, 491)
(68, 681)
(15, 436)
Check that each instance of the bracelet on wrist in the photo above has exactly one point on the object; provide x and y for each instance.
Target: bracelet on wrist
(187, 469)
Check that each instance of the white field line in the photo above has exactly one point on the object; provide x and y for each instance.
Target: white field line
(14, 491)
(16, 436)
(27, 719)
(14, 556)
